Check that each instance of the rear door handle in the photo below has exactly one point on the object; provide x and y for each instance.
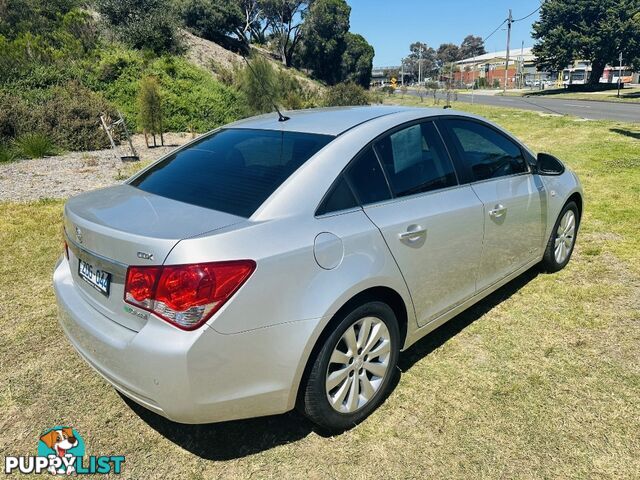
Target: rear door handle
(498, 211)
(413, 233)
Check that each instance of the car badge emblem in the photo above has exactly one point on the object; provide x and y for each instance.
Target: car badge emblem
(79, 234)
(145, 255)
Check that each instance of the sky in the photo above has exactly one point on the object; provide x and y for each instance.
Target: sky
(391, 26)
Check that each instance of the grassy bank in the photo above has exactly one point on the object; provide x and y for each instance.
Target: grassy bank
(540, 380)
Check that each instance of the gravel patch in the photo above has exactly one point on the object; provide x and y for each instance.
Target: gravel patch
(66, 175)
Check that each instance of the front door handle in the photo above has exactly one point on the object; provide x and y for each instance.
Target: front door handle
(413, 234)
(498, 211)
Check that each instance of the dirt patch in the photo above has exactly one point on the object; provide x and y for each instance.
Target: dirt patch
(66, 175)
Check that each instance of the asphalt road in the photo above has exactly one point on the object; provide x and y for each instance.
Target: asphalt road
(624, 112)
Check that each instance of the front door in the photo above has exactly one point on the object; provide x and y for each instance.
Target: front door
(513, 199)
(433, 226)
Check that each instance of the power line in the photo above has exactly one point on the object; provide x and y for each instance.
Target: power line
(494, 32)
(532, 13)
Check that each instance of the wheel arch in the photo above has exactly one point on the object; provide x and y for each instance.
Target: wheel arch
(576, 197)
(379, 293)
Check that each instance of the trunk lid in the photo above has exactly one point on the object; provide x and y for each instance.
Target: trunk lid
(115, 227)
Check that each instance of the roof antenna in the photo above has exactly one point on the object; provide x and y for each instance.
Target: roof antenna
(281, 117)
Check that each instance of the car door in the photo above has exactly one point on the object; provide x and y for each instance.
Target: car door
(431, 224)
(513, 198)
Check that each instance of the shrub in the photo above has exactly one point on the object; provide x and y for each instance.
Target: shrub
(211, 19)
(7, 154)
(346, 94)
(34, 145)
(258, 82)
(150, 108)
(143, 24)
(71, 117)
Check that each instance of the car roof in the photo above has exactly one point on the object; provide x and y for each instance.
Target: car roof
(327, 121)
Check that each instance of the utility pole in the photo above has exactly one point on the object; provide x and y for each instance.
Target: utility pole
(620, 75)
(506, 70)
(420, 66)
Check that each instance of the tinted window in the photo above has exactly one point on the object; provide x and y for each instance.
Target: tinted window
(233, 170)
(415, 160)
(488, 153)
(367, 179)
(340, 197)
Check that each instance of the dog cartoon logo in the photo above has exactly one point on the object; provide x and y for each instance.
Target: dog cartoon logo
(63, 442)
(60, 441)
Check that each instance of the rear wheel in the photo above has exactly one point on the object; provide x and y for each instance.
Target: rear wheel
(351, 374)
(562, 240)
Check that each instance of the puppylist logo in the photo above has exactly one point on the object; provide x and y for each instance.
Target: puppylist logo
(61, 451)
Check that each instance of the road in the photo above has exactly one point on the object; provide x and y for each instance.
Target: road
(624, 112)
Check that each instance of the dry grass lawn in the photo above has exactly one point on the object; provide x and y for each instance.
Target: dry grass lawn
(540, 380)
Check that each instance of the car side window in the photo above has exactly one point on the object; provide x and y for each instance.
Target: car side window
(366, 178)
(486, 152)
(340, 197)
(415, 160)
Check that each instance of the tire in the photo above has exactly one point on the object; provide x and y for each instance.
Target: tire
(337, 362)
(562, 236)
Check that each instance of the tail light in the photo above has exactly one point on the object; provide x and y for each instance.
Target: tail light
(186, 295)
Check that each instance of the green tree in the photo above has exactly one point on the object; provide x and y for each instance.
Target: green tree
(284, 18)
(357, 60)
(422, 58)
(324, 42)
(472, 46)
(212, 19)
(448, 53)
(258, 82)
(593, 30)
(142, 24)
(150, 108)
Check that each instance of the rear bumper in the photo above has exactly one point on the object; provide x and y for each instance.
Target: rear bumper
(189, 377)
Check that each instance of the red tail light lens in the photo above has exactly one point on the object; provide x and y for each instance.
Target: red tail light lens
(186, 295)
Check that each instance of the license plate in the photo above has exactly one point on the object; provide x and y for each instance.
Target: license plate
(98, 279)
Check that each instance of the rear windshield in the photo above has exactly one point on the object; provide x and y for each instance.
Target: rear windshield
(233, 170)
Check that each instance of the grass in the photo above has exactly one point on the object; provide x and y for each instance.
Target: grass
(34, 145)
(540, 380)
(627, 95)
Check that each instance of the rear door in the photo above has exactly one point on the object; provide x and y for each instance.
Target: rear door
(431, 224)
(512, 197)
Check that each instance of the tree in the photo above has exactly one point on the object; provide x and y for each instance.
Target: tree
(324, 32)
(150, 108)
(254, 25)
(593, 30)
(448, 53)
(472, 46)
(258, 82)
(143, 24)
(422, 58)
(357, 60)
(284, 18)
(212, 19)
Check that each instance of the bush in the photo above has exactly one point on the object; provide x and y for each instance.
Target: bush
(211, 19)
(346, 94)
(7, 154)
(34, 145)
(258, 82)
(72, 118)
(143, 24)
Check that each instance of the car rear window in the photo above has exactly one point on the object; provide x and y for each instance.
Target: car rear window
(232, 170)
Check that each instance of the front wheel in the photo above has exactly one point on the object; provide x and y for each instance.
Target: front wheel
(351, 374)
(562, 240)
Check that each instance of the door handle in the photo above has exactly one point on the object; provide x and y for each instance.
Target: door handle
(413, 233)
(498, 211)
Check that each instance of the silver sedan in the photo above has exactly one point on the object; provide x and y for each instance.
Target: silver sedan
(273, 264)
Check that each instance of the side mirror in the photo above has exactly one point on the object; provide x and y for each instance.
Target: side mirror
(549, 165)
